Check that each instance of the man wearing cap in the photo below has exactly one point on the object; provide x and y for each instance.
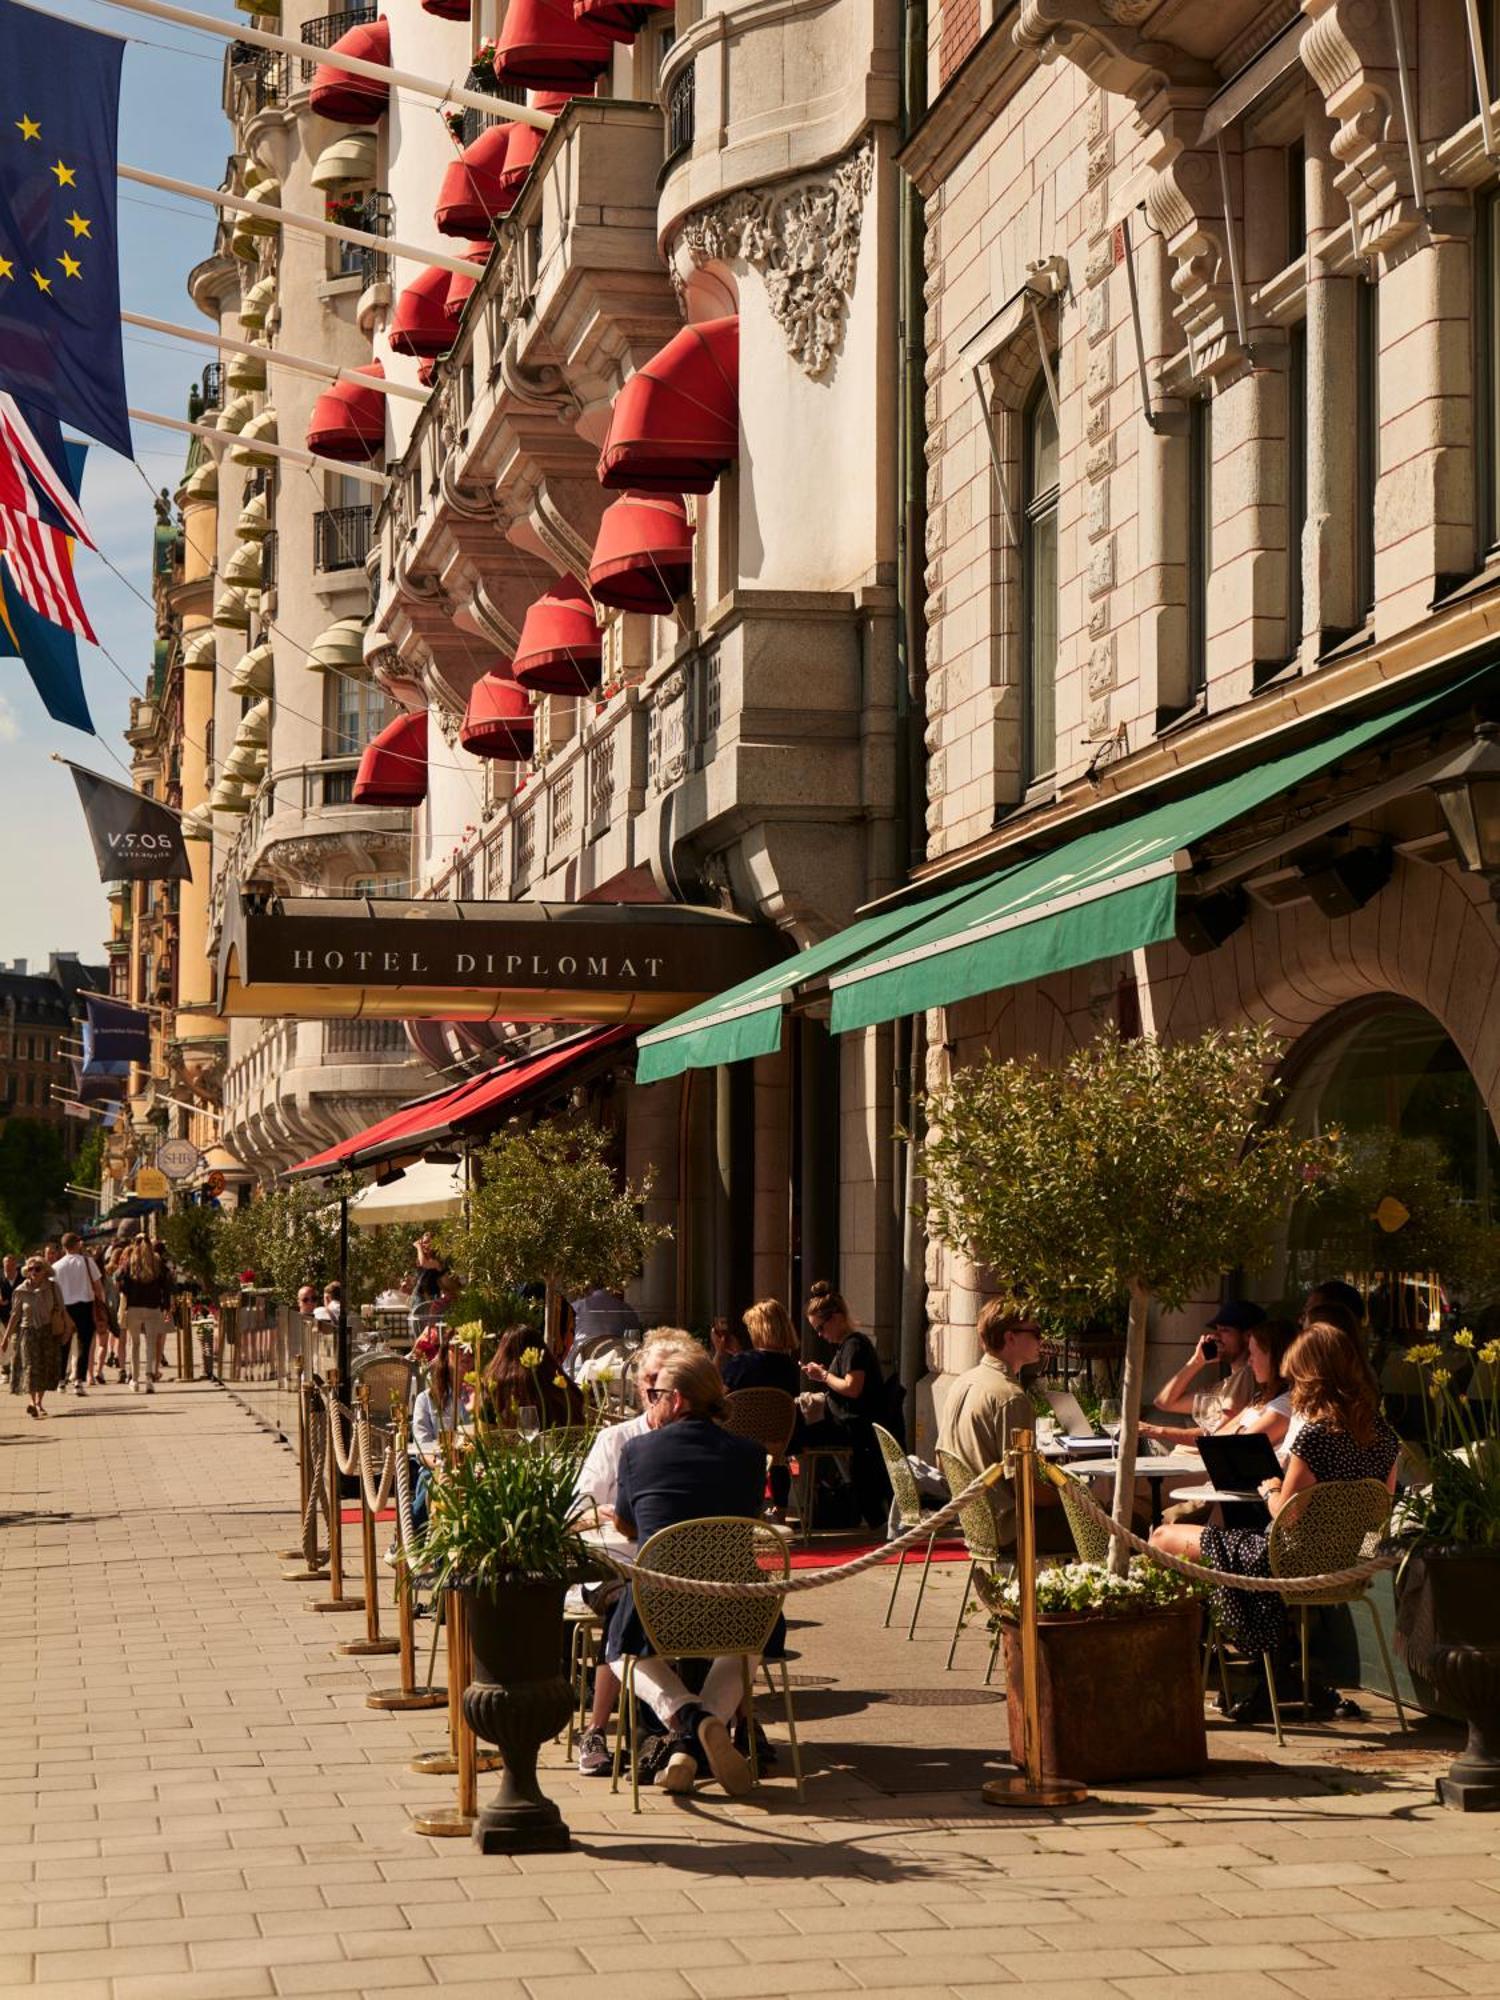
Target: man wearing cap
(1224, 1346)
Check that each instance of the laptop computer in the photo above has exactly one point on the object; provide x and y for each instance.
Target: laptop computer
(1238, 1464)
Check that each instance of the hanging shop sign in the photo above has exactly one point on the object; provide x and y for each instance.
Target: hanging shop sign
(178, 1159)
(151, 1184)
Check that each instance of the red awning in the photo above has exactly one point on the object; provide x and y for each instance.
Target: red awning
(447, 10)
(541, 45)
(474, 1107)
(621, 20)
(526, 141)
(393, 769)
(461, 290)
(561, 649)
(347, 99)
(419, 325)
(348, 422)
(498, 721)
(472, 192)
(676, 423)
(643, 554)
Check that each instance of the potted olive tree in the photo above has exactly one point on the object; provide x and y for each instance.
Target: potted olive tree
(1137, 1170)
(1448, 1585)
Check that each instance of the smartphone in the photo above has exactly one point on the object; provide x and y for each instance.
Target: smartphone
(1210, 1348)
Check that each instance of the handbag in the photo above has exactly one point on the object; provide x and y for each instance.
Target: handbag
(59, 1317)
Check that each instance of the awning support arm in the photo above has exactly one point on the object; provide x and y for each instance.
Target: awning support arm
(1231, 244)
(1135, 321)
(1048, 375)
(1408, 109)
(1370, 800)
(987, 417)
(1481, 76)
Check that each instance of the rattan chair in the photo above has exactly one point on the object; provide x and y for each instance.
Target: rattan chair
(769, 1416)
(981, 1538)
(682, 1625)
(907, 1511)
(1089, 1538)
(585, 1628)
(1324, 1528)
(388, 1379)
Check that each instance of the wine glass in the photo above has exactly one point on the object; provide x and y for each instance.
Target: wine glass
(1206, 1412)
(1109, 1417)
(1046, 1433)
(529, 1421)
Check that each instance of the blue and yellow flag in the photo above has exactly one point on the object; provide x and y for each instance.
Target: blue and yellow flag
(60, 343)
(48, 652)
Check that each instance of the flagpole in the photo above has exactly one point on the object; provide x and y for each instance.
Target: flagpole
(313, 225)
(300, 364)
(261, 38)
(360, 473)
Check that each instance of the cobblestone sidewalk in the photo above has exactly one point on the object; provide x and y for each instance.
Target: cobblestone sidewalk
(198, 1805)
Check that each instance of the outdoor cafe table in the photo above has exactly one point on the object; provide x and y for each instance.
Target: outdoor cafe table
(1168, 1465)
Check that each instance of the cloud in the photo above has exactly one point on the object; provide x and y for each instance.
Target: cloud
(10, 728)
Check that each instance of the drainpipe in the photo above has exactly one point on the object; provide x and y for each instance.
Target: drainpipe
(911, 1324)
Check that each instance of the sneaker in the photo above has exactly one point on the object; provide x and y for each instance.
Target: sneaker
(726, 1763)
(391, 1557)
(150, 1388)
(681, 1773)
(595, 1759)
(79, 1390)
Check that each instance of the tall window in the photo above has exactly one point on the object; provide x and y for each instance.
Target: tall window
(1367, 444)
(1039, 569)
(1296, 200)
(1200, 550)
(1296, 481)
(357, 710)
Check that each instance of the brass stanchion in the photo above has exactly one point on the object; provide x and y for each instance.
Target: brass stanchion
(409, 1694)
(316, 1571)
(304, 1474)
(335, 1600)
(449, 1821)
(1032, 1787)
(372, 1641)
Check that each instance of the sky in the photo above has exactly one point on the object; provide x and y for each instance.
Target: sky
(172, 122)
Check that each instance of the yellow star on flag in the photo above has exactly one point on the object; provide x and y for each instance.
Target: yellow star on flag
(79, 224)
(42, 284)
(7, 269)
(66, 176)
(28, 127)
(71, 266)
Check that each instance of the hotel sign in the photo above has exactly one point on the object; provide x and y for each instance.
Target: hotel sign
(537, 961)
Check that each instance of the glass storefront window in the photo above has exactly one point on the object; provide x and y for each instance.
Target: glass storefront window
(1414, 1223)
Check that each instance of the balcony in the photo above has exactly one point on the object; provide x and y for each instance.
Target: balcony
(268, 548)
(323, 31)
(304, 833)
(341, 537)
(302, 1085)
(264, 76)
(682, 114)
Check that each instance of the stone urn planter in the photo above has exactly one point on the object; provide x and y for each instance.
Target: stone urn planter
(1121, 1693)
(518, 1699)
(1448, 1630)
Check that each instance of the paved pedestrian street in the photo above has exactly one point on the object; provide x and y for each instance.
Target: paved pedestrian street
(198, 1805)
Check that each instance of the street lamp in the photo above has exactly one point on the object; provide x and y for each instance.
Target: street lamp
(1468, 791)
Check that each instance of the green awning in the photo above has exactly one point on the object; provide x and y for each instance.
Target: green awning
(745, 1020)
(1106, 892)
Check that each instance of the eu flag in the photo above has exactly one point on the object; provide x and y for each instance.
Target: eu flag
(60, 347)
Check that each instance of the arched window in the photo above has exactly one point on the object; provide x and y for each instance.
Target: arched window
(1039, 567)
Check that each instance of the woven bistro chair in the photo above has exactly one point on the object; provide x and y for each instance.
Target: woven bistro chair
(769, 1416)
(982, 1540)
(907, 1513)
(684, 1626)
(1089, 1538)
(388, 1378)
(1323, 1528)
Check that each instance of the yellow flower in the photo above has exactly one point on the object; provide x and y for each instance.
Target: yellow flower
(531, 1357)
(1425, 1353)
(1441, 1377)
(559, 1381)
(1463, 1338)
(1489, 1354)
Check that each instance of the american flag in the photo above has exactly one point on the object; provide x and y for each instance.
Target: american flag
(38, 553)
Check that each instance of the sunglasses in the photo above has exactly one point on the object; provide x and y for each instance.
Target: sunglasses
(655, 1395)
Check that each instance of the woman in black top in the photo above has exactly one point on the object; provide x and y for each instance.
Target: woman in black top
(855, 1394)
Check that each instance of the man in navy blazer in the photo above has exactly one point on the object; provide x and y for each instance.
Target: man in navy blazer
(684, 1467)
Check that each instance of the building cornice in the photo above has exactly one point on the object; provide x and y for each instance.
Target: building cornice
(968, 104)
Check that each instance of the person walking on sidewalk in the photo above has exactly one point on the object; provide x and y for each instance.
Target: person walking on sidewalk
(10, 1277)
(41, 1327)
(145, 1289)
(82, 1289)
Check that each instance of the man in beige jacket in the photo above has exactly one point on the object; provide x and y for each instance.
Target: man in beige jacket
(986, 1405)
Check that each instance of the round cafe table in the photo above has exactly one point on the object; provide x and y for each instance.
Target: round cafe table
(1156, 1469)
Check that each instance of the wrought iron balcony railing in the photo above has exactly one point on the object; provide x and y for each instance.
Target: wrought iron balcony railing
(341, 537)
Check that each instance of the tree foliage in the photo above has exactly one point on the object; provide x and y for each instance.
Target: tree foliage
(33, 1177)
(288, 1238)
(1137, 1163)
(546, 1207)
(1140, 1168)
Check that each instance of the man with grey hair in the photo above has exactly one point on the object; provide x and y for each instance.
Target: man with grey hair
(596, 1486)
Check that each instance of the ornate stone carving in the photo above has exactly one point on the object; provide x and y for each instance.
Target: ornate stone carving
(803, 238)
(1349, 54)
(1100, 37)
